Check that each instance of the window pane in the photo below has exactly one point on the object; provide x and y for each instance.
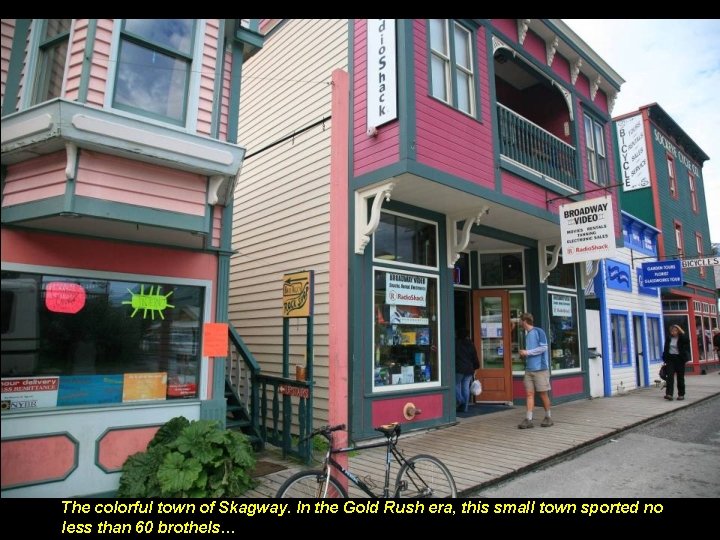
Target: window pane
(406, 330)
(171, 33)
(152, 82)
(563, 275)
(564, 345)
(490, 270)
(438, 37)
(56, 27)
(464, 87)
(102, 341)
(50, 72)
(405, 240)
(462, 48)
(440, 70)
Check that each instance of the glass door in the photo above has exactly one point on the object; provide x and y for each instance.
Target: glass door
(491, 334)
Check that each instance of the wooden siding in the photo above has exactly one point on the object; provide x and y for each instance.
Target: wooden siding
(448, 139)
(76, 52)
(207, 77)
(7, 32)
(561, 68)
(224, 107)
(35, 179)
(132, 182)
(535, 46)
(507, 26)
(522, 190)
(370, 153)
(633, 303)
(217, 214)
(101, 69)
(281, 211)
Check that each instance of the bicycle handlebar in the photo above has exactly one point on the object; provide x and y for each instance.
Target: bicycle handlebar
(325, 431)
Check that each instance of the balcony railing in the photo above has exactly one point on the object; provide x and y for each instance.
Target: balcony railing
(532, 146)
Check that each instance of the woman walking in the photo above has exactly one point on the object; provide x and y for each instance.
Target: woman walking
(675, 355)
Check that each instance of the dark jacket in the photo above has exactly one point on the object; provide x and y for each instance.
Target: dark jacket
(683, 347)
(466, 360)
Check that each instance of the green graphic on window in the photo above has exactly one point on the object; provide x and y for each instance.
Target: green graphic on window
(152, 302)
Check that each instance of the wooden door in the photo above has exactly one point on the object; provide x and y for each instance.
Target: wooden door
(491, 335)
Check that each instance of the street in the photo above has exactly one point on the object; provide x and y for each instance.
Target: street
(674, 456)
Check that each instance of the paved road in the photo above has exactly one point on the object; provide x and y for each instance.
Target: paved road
(675, 456)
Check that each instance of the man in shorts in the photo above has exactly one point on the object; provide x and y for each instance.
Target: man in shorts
(537, 371)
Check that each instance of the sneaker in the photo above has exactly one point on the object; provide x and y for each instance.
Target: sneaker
(526, 424)
(669, 398)
(547, 422)
(680, 398)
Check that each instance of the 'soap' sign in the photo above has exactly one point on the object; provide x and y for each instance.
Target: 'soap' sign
(662, 273)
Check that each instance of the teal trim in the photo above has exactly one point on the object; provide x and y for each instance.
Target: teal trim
(3, 175)
(589, 106)
(252, 38)
(33, 210)
(493, 108)
(70, 185)
(235, 83)
(60, 478)
(100, 438)
(499, 234)
(406, 89)
(227, 226)
(383, 173)
(15, 66)
(219, 75)
(146, 216)
(474, 270)
(537, 178)
(87, 60)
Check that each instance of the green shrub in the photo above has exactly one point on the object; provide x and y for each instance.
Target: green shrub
(190, 459)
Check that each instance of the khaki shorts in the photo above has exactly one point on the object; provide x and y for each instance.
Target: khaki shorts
(537, 381)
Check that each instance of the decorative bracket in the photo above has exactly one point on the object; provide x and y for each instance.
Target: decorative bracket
(589, 273)
(551, 49)
(575, 70)
(364, 227)
(568, 98)
(523, 25)
(612, 96)
(594, 87)
(71, 151)
(214, 184)
(455, 245)
(545, 266)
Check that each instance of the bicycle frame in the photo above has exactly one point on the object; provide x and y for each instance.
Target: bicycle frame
(390, 450)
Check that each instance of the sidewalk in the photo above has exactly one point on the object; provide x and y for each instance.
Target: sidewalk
(485, 449)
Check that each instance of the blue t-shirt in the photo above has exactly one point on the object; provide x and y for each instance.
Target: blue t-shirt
(537, 348)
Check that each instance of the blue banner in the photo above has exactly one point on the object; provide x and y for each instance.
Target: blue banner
(662, 274)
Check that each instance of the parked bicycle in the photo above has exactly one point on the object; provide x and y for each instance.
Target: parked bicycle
(419, 476)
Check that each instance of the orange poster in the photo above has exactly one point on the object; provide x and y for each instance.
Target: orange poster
(144, 386)
(215, 339)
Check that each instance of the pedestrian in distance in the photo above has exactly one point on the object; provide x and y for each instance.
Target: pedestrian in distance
(716, 342)
(466, 362)
(537, 371)
(676, 354)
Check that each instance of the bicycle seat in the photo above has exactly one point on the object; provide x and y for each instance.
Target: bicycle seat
(389, 429)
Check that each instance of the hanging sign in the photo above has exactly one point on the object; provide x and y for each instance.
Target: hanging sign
(587, 229)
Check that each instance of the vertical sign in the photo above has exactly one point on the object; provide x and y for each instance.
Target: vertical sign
(587, 229)
(633, 153)
(381, 72)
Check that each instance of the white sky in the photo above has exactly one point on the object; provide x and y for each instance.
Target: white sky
(676, 64)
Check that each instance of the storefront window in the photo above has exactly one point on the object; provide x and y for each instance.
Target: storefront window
(563, 275)
(654, 340)
(564, 346)
(84, 341)
(620, 342)
(406, 330)
(517, 335)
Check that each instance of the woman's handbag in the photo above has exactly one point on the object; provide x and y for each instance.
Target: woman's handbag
(663, 372)
(476, 388)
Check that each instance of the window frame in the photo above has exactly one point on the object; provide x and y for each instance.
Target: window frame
(598, 172)
(672, 176)
(700, 251)
(655, 338)
(148, 279)
(553, 339)
(679, 239)
(623, 359)
(35, 61)
(693, 193)
(452, 68)
(192, 91)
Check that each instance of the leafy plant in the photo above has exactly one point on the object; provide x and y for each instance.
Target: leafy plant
(190, 459)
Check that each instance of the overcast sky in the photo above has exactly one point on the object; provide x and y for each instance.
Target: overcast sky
(676, 64)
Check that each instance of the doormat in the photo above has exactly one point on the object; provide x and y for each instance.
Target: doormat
(483, 408)
(263, 468)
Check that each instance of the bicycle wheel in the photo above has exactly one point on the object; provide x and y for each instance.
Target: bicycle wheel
(425, 476)
(310, 484)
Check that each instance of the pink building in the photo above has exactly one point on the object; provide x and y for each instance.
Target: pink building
(418, 167)
(119, 161)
